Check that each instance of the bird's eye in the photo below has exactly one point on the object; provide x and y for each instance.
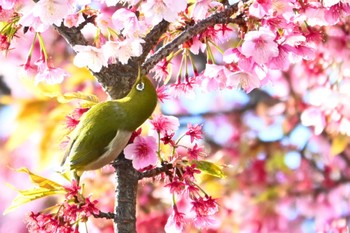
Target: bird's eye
(140, 86)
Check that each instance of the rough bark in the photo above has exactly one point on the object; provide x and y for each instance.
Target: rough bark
(125, 195)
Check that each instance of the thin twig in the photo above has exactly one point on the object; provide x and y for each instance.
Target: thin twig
(106, 215)
(156, 171)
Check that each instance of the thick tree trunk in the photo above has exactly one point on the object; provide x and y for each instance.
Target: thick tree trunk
(126, 192)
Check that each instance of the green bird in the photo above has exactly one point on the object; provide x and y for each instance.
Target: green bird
(105, 129)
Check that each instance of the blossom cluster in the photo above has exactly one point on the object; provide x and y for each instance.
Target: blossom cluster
(75, 209)
(119, 35)
(147, 152)
(278, 35)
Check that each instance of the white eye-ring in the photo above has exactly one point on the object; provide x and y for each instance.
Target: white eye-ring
(140, 86)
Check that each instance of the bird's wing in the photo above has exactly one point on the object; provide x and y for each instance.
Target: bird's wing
(93, 146)
(92, 136)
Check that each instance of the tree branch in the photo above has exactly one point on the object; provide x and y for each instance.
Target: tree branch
(156, 171)
(152, 39)
(106, 215)
(72, 35)
(188, 33)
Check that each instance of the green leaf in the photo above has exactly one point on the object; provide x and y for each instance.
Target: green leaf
(210, 168)
(46, 188)
(77, 95)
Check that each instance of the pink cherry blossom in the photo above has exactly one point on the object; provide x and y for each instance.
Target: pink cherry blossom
(73, 119)
(121, 18)
(205, 206)
(161, 70)
(129, 2)
(204, 209)
(34, 22)
(122, 50)
(260, 45)
(329, 3)
(314, 117)
(259, 8)
(243, 80)
(28, 67)
(48, 73)
(281, 62)
(83, 2)
(4, 44)
(182, 88)
(214, 77)
(194, 152)
(245, 68)
(110, 2)
(53, 11)
(104, 22)
(142, 152)
(75, 208)
(5, 14)
(73, 20)
(189, 173)
(165, 124)
(162, 94)
(7, 4)
(89, 56)
(156, 10)
(204, 221)
(176, 222)
(194, 131)
(201, 8)
(176, 186)
(126, 21)
(51, 75)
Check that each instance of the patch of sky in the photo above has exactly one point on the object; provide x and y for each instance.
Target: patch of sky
(220, 130)
(272, 132)
(266, 132)
(300, 136)
(7, 116)
(203, 102)
(292, 159)
(308, 226)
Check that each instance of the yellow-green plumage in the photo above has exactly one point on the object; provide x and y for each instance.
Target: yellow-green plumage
(105, 129)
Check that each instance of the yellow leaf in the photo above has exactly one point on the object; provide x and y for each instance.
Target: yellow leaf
(77, 95)
(28, 121)
(6, 100)
(54, 132)
(78, 75)
(212, 186)
(39, 90)
(46, 188)
(42, 182)
(339, 143)
(29, 195)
